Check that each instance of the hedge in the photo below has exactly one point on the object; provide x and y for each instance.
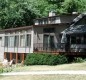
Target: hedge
(45, 59)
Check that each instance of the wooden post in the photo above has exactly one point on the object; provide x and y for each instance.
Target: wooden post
(10, 56)
(16, 57)
(4, 55)
(23, 57)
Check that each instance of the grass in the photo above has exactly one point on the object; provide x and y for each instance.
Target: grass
(72, 66)
(45, 77)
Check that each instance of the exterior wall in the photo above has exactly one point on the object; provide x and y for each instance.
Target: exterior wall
(20, 49)
(1, 47)
(38, 34)
(82, 21)
(67, 18)
(59, 29)
(55, 19)
(15, 49)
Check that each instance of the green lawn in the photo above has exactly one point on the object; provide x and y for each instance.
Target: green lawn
(72, 66)
(45, 77)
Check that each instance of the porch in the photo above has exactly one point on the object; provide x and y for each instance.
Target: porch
(60, 48)
(17, 57)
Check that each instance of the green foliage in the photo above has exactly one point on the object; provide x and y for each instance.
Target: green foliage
(70, 6)
(78, 60)
(16, 13)
(1, 70)
(45, 59)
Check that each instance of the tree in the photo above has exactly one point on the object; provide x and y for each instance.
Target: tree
(16, 13)
(70, 6)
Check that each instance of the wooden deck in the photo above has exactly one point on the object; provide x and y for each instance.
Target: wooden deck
(18, 57)
(63, 53)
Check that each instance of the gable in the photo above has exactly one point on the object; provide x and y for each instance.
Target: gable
(82, 21)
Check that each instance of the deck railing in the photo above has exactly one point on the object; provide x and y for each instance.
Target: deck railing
(59, 47)
(49, 47)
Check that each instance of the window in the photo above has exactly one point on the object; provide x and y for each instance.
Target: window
(45, 21)
(49, 30)
(73, 39)
(52, 20)
(16, 41)
(0, 41)
(40, 22)
(28, 40)
(78, 40)
(11, 41)
(6, 41)
(84, 38)
(22, 40)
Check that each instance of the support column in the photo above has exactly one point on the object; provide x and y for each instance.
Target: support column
(23, 57)
(16, 57)
(4, 55)
(10, 56)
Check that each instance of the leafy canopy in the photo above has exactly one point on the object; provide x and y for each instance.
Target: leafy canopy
(16, 13)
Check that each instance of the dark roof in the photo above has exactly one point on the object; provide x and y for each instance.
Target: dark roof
(28, 27)
(57, 16)
(14, 29)
(78, 18)
(75, 29)
(67, 23)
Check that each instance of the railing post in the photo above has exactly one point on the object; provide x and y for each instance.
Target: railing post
(10, 56)
(23, 57)
(4, 55)
(16, 57)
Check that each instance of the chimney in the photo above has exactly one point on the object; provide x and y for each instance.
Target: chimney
(52, 14)
(74, 12)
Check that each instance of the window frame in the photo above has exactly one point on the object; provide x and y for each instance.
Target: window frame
(29, 45)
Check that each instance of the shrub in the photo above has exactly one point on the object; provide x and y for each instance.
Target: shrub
(45, 59)
(78, 60)
(1, 70)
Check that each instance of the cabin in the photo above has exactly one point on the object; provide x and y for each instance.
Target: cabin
(76, 36)
(51, 34)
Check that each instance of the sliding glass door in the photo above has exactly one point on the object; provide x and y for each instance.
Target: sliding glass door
(48, 42)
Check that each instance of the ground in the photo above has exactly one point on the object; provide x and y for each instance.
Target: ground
(72, 66)
(45, 77)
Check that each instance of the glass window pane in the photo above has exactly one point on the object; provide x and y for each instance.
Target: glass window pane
(11, 41)
(28, 40)
(16, 41)
(6, 41)
(22, 40)
(73, 39)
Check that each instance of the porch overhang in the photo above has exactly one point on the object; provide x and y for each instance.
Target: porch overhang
(78, 29)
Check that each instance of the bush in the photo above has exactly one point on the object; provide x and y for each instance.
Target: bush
(1, 70)
(78, 60)
(45, 59)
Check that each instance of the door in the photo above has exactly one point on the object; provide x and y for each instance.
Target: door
(67, 45)
(48, 42)
(51, 42)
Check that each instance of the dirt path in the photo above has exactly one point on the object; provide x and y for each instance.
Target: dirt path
(44, 73)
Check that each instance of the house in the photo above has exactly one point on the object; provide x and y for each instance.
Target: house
(76, 35)
(44, 36)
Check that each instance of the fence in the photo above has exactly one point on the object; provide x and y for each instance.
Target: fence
(59, 47)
